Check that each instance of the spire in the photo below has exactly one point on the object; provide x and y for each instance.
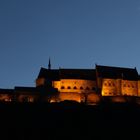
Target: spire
(49, 65)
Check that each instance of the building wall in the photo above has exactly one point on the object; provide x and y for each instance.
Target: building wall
(129, 88)
(5, 97)
(112, 87)
(119, 86)
(70, 96)
(93, 99)
(40, 81)
(109, 87)
(75, 85)
(138, 87)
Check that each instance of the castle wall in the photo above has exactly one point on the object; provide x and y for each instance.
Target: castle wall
(75, 85)
(93, 99)
(119, 86)
(5, 97)
(138, 87)
(70, 96)
(109, 87)
(129, 88)
(26, 98)
(112, 87)
(40, 82)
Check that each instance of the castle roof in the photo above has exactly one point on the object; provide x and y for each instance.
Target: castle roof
(49, 74)
(87, 74)
(117, 72)
(6, 91)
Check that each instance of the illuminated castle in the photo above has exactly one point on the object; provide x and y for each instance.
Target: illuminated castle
(89, 86)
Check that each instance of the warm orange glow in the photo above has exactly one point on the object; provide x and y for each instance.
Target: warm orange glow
(75, 85)
(93, 99)
(109, 87)
(52, 101)
(40, 81)
(70, 96)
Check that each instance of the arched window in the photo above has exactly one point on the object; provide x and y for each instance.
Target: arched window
(75, 87)
(69, 87)
(62, 87)
(81, 88)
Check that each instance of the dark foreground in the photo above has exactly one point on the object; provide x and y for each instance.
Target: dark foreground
(69, 121)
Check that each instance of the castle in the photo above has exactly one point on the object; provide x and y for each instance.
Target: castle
(89, 86)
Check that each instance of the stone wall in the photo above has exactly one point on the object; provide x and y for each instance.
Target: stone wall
(75, 85)
(129, 88)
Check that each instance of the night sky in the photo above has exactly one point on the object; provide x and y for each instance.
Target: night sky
(73, 33)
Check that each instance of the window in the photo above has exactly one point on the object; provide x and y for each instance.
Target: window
(75, 87)
(69, 87)
(62, 87)
(109, 84)
(81, 88)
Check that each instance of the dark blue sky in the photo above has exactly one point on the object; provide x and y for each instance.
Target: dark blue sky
(74, 33)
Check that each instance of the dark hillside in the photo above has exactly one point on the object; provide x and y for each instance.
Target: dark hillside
(69, 120)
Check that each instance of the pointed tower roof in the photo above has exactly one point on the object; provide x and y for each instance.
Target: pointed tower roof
(49, 64)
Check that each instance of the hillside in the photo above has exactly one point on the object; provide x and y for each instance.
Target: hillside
(69, 120)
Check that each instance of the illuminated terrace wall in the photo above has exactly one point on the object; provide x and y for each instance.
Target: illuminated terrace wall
(75, 85)
(129, 88)
(109, 87)
(112, 87)
(70, 96)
